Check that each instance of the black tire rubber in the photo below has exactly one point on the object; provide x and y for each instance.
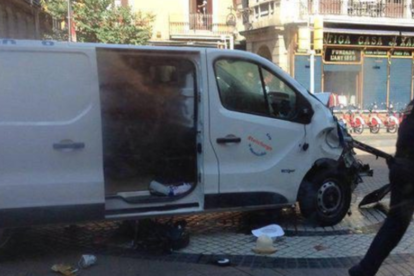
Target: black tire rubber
(308, 198)
(374, 129)
(392, 129)
(359, 129)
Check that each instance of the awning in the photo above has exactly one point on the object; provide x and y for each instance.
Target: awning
(361, 32)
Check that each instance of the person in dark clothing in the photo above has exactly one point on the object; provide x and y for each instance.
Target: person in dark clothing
(402, 200)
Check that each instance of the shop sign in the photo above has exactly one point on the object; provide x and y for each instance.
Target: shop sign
(368, 40)
(342, 55)
(401, 53)
(376, 53)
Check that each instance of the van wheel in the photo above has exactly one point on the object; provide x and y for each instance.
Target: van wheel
(326, 198)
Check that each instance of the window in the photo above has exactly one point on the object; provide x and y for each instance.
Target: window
(248, 88)
(240, 86)
(282, 99)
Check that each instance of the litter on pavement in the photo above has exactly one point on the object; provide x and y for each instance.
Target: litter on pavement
(69, 270)
(65, 269)
(223, 262)
(272, 231)
(264, 245)
(87, 261)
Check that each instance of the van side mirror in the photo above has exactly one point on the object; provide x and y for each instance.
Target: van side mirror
(305, 115)
(304, 111)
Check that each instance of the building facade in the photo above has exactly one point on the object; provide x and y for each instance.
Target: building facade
(22, 19)
(368, 46)
(208, 23)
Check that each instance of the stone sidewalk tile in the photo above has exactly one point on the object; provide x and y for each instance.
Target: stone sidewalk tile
(215, 234)
(315, 272)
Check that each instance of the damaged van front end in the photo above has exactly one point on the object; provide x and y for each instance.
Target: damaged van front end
(326, 190)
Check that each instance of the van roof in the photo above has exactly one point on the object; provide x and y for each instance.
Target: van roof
(4, 42)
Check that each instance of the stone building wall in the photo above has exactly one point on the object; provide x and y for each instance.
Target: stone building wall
(22, 19)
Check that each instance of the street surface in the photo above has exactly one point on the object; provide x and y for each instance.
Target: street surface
(304, 250)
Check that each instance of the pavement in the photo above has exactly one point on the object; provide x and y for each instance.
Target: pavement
(384, 141)
(306, 249)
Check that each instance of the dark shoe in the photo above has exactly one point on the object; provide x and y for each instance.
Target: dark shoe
(356, 270)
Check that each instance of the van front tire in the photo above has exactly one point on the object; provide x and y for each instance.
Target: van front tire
(325, 198)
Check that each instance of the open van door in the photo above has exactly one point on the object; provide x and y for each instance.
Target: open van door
(150, 131)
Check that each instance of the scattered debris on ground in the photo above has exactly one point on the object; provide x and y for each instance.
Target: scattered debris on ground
(65, 269)
(320, 247)
(272, 231)
(87, 261)
(264, 245)
(156, 237)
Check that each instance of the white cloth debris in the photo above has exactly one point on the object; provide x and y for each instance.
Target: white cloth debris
(181, 189)
(169, 190)
(272, 231)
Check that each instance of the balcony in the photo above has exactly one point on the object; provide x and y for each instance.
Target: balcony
(264, 13)
(362, 8)
(200, 25)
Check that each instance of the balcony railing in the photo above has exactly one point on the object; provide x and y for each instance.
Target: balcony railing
(207, 24)
(367, 8)
(374, 9)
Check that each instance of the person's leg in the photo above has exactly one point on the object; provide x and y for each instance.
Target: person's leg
(395, 225)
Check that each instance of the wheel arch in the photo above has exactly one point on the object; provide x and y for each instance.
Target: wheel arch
(318, 166)
(309, 192)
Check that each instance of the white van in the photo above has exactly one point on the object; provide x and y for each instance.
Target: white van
(85, 129)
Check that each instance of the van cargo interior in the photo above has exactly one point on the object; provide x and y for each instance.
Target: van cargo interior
(148, 120)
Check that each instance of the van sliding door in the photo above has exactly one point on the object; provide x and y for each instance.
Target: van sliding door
(149, 125)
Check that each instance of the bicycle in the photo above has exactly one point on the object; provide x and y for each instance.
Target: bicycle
(391, 123)
(356, 122)
(400, 113)
(374, 121)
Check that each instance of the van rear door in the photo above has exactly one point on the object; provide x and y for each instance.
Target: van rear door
(50, 136)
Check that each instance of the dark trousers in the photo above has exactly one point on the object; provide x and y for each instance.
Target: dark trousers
(401, 211)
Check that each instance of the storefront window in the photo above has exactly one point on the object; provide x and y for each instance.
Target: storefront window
(343, 80)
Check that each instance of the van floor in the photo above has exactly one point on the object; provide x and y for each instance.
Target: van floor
(135, 184)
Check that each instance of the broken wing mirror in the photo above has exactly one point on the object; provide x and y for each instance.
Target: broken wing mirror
(305, 115)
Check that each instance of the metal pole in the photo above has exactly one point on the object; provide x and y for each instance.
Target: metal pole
(312, 71)
(231, 38)
(69, 23)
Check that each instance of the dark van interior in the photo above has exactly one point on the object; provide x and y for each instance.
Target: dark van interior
(148, 120)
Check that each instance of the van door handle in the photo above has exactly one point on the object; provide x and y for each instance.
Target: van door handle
(68, 145)
(228, 139)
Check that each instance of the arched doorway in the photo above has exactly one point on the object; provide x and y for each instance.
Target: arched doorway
(265, 52)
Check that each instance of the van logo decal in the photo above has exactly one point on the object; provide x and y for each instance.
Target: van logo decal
(258, 147)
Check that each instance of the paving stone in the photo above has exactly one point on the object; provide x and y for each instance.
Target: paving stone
(221, 234)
